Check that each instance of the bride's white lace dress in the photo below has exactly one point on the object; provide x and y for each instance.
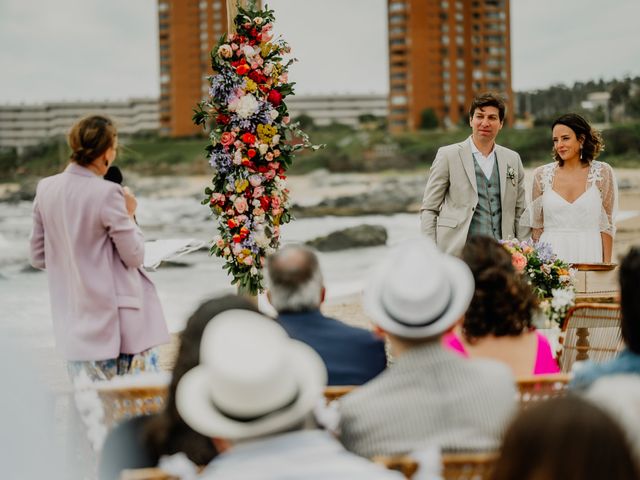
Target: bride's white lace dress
(574, 228)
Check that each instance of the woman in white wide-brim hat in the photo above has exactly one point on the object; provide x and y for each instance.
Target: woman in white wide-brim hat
(253, 394)
(252, 379)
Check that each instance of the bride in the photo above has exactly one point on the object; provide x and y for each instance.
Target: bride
(574, 198)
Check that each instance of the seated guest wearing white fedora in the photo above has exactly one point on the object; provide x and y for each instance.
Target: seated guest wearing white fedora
(429, 396)
(253, 394)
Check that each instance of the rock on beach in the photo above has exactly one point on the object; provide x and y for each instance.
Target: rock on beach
(353, 237)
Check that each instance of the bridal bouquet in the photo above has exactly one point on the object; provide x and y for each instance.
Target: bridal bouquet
(251, 144)
(551, 278)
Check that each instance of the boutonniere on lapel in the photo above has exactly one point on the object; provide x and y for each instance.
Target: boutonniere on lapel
(511, 175)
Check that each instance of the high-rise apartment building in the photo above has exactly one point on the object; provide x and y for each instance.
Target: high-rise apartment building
(441, 54)
(188, 29)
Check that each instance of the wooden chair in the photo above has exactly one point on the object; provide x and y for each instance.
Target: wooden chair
(468, 466)
(536, 388)
(591, 331)
(146, 474)
(103, 404)
(333, 393)
(120, 403)
(401, 463)
(455, 466)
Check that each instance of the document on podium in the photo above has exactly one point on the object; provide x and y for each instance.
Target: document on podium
(158, 251)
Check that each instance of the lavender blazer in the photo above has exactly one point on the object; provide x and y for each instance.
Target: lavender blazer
(102, 302)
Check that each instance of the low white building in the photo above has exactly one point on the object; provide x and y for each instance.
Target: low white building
(344, 109)
(25, 125)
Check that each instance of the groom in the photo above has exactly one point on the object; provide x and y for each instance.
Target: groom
(475, 187)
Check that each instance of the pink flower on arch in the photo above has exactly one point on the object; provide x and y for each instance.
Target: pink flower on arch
(255, 180)
(241, 205)
(227, 138)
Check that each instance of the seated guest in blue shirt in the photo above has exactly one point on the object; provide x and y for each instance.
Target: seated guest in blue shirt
(628, 361)
(352, 355)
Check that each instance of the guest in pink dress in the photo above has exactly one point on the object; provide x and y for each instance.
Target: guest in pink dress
(498, 322)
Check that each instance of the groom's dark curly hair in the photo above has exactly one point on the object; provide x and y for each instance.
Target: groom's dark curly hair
(503, 301)
(489, 99)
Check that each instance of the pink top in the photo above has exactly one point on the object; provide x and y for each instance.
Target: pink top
(545, 363)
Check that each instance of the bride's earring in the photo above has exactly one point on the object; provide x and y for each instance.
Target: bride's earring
(580, 152)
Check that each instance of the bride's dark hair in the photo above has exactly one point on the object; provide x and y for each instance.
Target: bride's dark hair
(592, 140)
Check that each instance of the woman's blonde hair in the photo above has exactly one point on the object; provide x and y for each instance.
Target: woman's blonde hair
(90, 138)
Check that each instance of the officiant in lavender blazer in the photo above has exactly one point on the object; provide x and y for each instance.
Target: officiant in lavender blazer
(475, 187)
(106, 314)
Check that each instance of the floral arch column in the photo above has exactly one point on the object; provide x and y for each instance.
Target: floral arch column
(250, 144)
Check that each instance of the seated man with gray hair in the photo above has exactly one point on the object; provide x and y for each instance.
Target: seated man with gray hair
(352, 355)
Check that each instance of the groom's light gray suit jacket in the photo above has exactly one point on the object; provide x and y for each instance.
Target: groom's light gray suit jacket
(451, 196)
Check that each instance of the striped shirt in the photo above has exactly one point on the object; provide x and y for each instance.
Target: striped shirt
(429, 397)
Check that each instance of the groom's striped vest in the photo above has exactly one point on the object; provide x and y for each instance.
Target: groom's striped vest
(487, 218)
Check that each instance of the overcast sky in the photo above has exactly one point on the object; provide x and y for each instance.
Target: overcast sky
(107, 49)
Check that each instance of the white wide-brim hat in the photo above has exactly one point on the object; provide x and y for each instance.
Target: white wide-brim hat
(418, 291)
(253, 380)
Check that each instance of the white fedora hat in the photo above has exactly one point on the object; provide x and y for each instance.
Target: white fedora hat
(252, 380)
(418, 291)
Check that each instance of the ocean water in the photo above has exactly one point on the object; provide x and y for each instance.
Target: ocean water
(24, 296)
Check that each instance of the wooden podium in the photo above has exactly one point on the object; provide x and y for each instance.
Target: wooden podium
(597, 283)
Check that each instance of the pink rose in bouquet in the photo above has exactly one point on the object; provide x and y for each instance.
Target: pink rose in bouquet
(519, 261)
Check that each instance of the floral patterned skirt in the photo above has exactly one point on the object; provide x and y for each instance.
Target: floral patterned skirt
(124, 364)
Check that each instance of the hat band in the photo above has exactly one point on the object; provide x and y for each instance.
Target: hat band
(425, 323)
(243, 419)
